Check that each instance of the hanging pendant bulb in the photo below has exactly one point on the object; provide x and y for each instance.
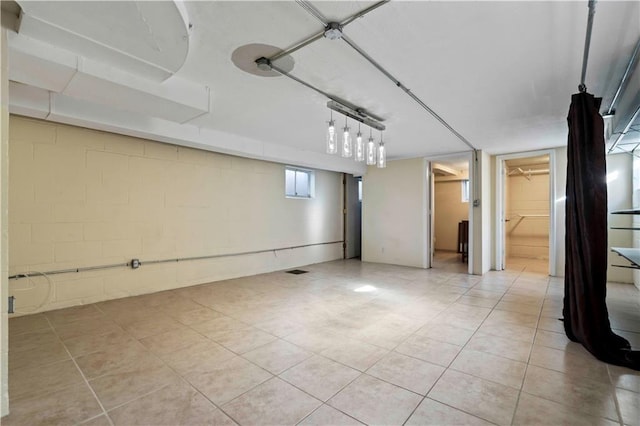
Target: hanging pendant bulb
(371, 151)
(332, 137)
(382, 154)
(359, 146)
(346, 141)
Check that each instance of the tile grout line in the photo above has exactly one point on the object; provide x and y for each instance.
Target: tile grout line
(104, 411)
(564, 374)
(331, 407)
(426, 396)
(220, 407)
(615, 397)
(388, 351)
(180, 376)
(186, 381)
(151, 353)
(515, 279)
(526, 368)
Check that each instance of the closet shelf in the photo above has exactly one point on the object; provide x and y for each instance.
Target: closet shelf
(631, 254)
(629, 211)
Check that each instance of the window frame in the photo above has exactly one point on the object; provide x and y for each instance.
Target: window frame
(310, 183)
(465, 190)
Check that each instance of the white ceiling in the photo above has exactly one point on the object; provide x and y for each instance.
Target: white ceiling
(500, 73)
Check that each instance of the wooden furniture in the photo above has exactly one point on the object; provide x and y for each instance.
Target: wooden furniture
(463, 240)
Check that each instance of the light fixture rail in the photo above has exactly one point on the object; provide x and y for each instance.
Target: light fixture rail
(334, 30)
(406, 90)
(335, 103)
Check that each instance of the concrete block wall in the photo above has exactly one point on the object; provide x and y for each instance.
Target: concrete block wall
(79, 197)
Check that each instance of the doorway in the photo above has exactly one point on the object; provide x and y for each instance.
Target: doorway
(525, 226)
(450, 214)
(352, 216)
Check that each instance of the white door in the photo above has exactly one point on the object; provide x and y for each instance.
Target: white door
(432, 207)
(504, 218)
(502, 206)
(352, 216)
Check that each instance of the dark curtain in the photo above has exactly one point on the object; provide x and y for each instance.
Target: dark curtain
(586, 319)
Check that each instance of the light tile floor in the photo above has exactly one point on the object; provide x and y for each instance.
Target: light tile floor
(345, 344)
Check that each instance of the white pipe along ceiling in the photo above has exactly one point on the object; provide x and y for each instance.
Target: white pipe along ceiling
(490, 76)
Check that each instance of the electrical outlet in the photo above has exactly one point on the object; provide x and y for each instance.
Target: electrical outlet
(135, 263)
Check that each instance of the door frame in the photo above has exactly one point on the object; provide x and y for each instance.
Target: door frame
(348, 215)
(500, 206)
(430, 203)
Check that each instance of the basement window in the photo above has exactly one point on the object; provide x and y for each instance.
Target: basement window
(465, 191)
(299, 183)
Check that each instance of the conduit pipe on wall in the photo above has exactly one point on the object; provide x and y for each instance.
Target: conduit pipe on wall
(135, 262)
(625, 76)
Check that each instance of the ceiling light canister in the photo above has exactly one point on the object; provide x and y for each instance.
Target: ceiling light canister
(332, 137)
(382, 154)
(346, 141)
(359, 154)
(371, 152)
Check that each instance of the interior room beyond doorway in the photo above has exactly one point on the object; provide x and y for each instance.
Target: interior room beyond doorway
(451, 194)
(526, 214)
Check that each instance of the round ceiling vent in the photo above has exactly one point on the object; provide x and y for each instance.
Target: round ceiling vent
(244, 57)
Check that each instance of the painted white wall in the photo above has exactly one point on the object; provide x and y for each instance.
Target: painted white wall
(4, 234)
(394, 213)
(80, 197)
(481, 228)
(449, 210)
(635, 221)
(560, 185)
(485, 205)
(619, 197)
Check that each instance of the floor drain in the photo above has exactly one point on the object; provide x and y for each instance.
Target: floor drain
(297, 272)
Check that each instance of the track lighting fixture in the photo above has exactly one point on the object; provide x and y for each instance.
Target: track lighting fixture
(369, 152)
